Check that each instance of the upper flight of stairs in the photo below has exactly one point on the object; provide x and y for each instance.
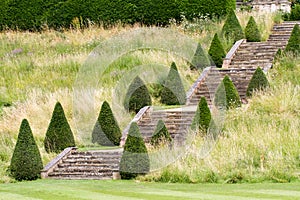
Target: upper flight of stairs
(72, 164)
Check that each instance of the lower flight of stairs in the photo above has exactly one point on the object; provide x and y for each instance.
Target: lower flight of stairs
(100, 164)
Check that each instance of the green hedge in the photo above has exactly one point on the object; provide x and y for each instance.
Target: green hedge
(30, 15)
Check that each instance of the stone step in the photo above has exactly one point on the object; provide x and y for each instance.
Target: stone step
(62, 165)
(89, 161)
(86, 169)
(79, 175)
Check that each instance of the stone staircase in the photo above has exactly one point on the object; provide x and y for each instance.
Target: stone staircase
(177, 122)
(100, 164)
(243, 61)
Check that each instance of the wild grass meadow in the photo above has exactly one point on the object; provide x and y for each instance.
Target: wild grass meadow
(260, 141)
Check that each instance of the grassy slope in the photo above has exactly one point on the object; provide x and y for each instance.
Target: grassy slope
(43, 73)
(53, 189)
(260, 141)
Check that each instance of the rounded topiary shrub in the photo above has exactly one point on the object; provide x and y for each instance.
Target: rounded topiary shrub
(258, 81)
(106, 131)
(202, 117)
(26, 162)
(216, 51)
(173, 92)
(294, 41)
(161, 134)
(135, 159)
(232, 28)
(59, 134)
(137, 96)
(200, 59)
(227, 95)
(252, 32)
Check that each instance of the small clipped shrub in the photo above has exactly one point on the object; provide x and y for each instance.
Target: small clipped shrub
(161, 134)
(258, 81)
(294, 41)
(252, 32)
(216, 51)
(137, 96)
(173, 92)
(26, 162)
(202, 117)
(59, 134)
(135, 159)
(227, 90)
(106, 131)
(232, 28)
(200, 59)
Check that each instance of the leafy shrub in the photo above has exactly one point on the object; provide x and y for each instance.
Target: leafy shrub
(24, 15)
(252, 32)
(232, 28)
(216, 51)
(59, 134)
(26, 162)
(173, 92)
(161, 134)
(227, 90)
(137, 96)
(258, 81)
(106, 131)
(294, 41)
(295, 13)
(135, 159)
(59, 14)
(202, 117)
(200, 59)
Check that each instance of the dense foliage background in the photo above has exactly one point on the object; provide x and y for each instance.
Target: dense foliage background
(34, 14)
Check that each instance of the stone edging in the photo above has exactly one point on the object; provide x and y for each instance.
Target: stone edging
(231, 53)
(136, 118)
(50, 166)
(192, 90)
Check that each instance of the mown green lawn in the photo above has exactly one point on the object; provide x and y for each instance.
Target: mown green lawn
(54, 189)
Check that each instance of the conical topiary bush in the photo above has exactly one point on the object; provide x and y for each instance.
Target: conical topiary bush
(294, 41)
(135, 159)
(258, 81)
(26, 162)
(173, 92)
(252, 32)
(106, 131)
(216, 51)
(227, 95)
(200, 59)
(59, 134)
(137, 96)
(232, 28)
(161, 134)
(202, 117)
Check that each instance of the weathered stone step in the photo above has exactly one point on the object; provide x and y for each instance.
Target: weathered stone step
(89, 175)
(85, 169)
(86, 161)
(115, 164)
